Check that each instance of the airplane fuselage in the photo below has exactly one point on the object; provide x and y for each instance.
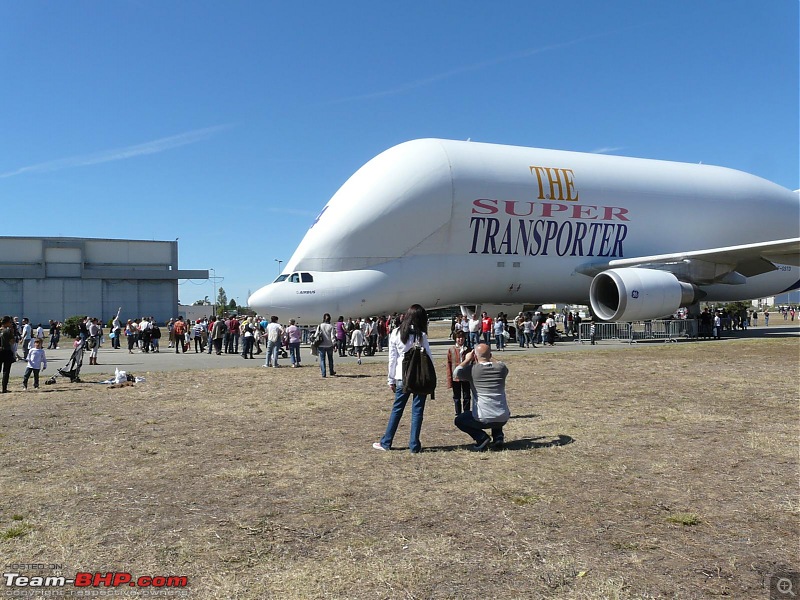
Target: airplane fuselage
(442, 223)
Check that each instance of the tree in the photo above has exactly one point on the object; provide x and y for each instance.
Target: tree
(204, 302)
(232, 304)
(222, 301)
(71, 326)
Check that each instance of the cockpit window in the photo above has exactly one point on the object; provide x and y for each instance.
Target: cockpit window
(307, 277)
(295, 278)
(280, 278)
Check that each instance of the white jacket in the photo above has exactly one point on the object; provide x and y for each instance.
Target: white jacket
(397, 350)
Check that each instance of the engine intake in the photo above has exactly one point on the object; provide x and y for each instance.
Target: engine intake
(633, 294)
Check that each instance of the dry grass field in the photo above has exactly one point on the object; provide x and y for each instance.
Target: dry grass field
(664, 471)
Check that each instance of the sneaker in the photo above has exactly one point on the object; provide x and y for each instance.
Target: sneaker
(497, 444)
(377, 446)
(482, 446)
(359, 361)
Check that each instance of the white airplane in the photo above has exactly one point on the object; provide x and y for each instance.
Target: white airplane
(447, 223)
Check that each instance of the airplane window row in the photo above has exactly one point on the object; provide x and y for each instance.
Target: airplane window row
(296, 278)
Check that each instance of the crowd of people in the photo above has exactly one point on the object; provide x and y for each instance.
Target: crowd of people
(526, 329)
(713, 323)
(247, 336)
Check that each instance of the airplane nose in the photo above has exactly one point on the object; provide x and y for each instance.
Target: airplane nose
(259, 298)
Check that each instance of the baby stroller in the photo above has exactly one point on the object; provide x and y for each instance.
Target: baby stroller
(73, 367)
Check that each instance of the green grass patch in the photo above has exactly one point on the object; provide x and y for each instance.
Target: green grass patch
(686, 519)
(15, 531)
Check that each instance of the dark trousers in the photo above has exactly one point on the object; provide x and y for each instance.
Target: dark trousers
(462, 396)
(6, 360)
(145, 337)
(474, 428)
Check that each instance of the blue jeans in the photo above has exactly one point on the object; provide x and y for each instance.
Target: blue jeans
(468, 424)
(500, 341)
(273, 349)
(417, 410)
(294, 352)
(323, 352)
(474, 339)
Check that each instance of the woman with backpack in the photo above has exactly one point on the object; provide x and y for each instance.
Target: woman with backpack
(413, 330)
(326, 340)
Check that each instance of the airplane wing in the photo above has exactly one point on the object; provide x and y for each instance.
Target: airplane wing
(732, 264)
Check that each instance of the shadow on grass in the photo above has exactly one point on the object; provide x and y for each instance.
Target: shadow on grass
(520, 444)
(530, 416)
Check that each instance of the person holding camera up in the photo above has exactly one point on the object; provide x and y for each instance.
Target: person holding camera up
(489, 405)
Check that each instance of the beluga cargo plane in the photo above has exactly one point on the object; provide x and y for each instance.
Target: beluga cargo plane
(446, 223)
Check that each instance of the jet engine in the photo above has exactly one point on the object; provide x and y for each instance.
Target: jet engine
(632, 294)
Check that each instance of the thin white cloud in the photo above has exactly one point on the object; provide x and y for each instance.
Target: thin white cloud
(477, 66)
(151, 147)
(607, 150)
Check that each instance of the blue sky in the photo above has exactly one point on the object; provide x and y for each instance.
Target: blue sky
(230, 124)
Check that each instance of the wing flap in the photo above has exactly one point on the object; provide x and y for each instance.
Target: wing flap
(713, 265)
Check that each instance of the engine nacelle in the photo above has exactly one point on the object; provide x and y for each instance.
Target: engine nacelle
(633, 294)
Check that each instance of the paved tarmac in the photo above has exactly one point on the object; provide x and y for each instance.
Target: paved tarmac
(140, 363)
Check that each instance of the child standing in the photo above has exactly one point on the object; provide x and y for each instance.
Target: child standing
(36, 362)
(358, 341)
(461, 390)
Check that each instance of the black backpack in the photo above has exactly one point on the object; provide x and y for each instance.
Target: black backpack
(419, 376)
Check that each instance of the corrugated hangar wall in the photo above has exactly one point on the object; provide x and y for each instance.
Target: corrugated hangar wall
(55, 278)
(58, 298)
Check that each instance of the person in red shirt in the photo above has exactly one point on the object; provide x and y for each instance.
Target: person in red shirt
(233, 338)
(486, 329)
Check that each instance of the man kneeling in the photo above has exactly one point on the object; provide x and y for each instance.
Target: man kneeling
(489, 407)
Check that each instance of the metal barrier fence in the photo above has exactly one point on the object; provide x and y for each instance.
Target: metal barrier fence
(670, 330)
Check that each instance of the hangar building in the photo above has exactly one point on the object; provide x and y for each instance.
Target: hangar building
(56, 278)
